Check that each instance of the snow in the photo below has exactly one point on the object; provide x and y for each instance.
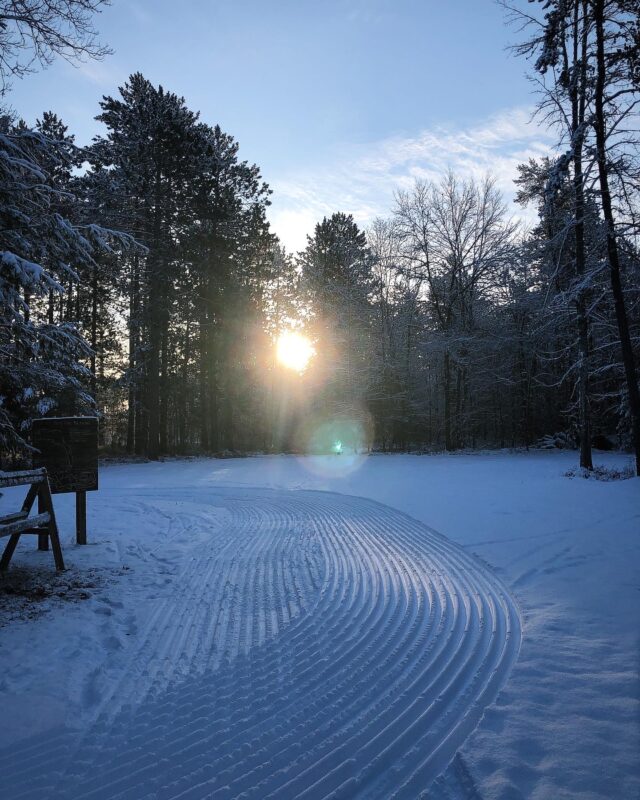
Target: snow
(29, 274)
(251, 628)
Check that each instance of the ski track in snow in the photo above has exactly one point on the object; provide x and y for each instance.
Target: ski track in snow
(315, 646)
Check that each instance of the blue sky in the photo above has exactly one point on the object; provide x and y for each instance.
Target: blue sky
(340, 102)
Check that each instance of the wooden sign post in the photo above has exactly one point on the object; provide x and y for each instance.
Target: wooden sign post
(69, 450)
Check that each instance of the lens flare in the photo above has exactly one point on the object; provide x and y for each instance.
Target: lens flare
(294, 350)
(336, 447)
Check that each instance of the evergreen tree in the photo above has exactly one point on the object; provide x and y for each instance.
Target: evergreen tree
(337, 276)
(151, 144)
(40, 251)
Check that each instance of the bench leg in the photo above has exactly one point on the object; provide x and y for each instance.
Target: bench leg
(8, 551)
(43, 505)
(45, 498)
(55, 546)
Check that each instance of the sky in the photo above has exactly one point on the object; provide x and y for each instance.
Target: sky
(340, 102)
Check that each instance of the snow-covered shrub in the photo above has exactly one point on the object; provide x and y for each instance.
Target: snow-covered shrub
(600, 473)
(557, 441)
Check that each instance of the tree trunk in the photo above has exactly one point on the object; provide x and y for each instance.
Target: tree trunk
(134, 303)
(578, 108)
(184, 390)
(204, 381)
(612, 245)
(448, 444)
(155, 324)
(94, 326)
(163, 443)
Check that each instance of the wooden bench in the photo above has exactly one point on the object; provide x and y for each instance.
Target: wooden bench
(43, 523)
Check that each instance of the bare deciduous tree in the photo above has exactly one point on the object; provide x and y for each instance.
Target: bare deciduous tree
(33, 33)
(457, 238)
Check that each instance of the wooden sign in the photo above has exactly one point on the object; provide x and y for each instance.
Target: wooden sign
(69, 450)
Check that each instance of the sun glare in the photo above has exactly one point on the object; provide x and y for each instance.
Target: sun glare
(294, 350)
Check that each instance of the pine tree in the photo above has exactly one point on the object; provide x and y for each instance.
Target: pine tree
(40, 252)
(151, 142)
(337, 276)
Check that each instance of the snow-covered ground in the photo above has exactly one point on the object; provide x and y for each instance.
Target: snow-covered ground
(231, 631)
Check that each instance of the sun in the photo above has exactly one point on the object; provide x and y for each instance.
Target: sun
(294, 350)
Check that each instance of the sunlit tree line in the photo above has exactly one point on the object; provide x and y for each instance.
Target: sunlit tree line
(140, 280)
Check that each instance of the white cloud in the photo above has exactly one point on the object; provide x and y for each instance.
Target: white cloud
(362, 180)
(104, 74)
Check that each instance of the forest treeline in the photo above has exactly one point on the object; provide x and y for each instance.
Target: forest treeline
(140, 279)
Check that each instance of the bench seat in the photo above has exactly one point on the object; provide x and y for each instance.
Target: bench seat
(17, 523)
(36, 524)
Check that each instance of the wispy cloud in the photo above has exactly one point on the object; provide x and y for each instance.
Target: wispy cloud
(141, 15)
(362, 180)
(103, 74)
(369, 11)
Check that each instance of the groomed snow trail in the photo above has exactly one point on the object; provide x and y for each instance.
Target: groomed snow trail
(317, 646)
